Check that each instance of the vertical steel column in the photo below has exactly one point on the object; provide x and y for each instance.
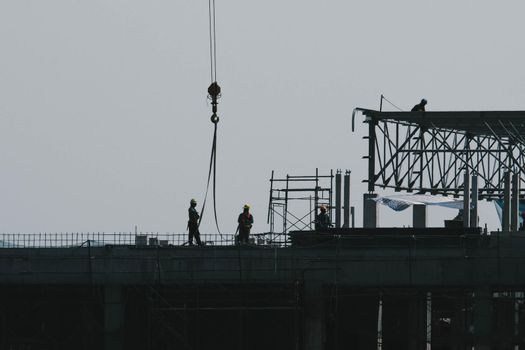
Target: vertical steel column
(371, 154)
(113, 317)
(369, 210)
(338, 199)
(466, 198)
(314, 324)
(514, 205)
(482, 319)
(346, 203)
(474, 211)
(506, 202)
(419, 215)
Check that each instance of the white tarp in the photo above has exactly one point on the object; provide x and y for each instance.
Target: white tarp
(402, 201)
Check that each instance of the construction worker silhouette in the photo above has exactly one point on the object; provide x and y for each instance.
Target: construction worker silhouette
(420, 107)
(245, 224)
(193, 224)
(322, 221)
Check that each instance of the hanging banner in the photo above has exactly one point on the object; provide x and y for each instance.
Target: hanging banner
(498, 203)
(402, 201)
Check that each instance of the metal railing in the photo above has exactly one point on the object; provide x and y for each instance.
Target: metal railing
(141, 239)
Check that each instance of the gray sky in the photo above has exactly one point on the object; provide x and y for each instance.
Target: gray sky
(104, 122)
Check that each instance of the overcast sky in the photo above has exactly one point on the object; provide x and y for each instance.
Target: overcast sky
(104, 122)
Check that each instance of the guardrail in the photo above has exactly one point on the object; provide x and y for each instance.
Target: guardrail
(142, 239)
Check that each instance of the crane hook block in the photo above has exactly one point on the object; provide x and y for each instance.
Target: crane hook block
(214, 91)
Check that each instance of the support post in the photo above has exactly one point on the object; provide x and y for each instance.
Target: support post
(346, 204)
(474, 197)
(506, 202)
(515, 200)
(482, 319)
(314, 316)
(113, 317)
(370, 216)
(371, 154)
(466, 199)
(338, 199)
(419, 215)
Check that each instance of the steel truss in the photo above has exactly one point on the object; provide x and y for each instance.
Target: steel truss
(407, 155)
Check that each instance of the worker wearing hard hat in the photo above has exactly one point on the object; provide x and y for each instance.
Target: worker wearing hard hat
(193, 224)
(420, 107)
(245, 224)
(322, 220)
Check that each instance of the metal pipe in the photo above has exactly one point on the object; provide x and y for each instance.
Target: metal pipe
(474, 222)
(506, 202)
(514, 205)
(346, 204)
(338, 199)
(466, 198)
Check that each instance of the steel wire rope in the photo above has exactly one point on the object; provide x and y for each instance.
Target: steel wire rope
(387, 100)
(213, 95)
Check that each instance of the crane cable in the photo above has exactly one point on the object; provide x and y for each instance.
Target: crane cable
(214, 93)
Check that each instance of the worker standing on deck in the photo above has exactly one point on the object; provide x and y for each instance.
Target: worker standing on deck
(193, 224)
(420, 107)
(322, 220)
(245, 224)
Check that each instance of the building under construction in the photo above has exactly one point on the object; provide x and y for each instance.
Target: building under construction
(451, 287)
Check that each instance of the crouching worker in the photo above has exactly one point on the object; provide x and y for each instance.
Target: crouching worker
(193, 224)
(322, 221)
(245, 224)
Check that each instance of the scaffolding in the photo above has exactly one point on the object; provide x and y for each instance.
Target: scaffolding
(306, 192)
(295, 199)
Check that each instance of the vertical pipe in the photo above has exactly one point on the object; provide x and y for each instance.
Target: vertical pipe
(474, 197)
(346, 203)
(270, 200)
(338, 199)
(330, 196)
(285, 211)
(514, 205)
(506, 202)
(466, 198)
(316, 192)
(352, 211)
(371, 154)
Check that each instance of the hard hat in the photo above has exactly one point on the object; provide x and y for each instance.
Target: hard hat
(246, 206)
(193, 201)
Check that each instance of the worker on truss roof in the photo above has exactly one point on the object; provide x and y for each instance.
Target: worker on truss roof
(420, 107)
(322, 220)
(245, 221)
(193, 224)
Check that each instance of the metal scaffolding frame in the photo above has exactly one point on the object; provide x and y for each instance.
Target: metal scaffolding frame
(429, 152)
(316, 189)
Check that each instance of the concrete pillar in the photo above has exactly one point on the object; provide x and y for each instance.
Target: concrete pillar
(370, 216)
(314, 327)
(346, 199)
(506, 202)
(338, 199)
(474, 196)
(419, 215)
(113, 317)
(514, 205)
(466, 199)
(482, 319)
